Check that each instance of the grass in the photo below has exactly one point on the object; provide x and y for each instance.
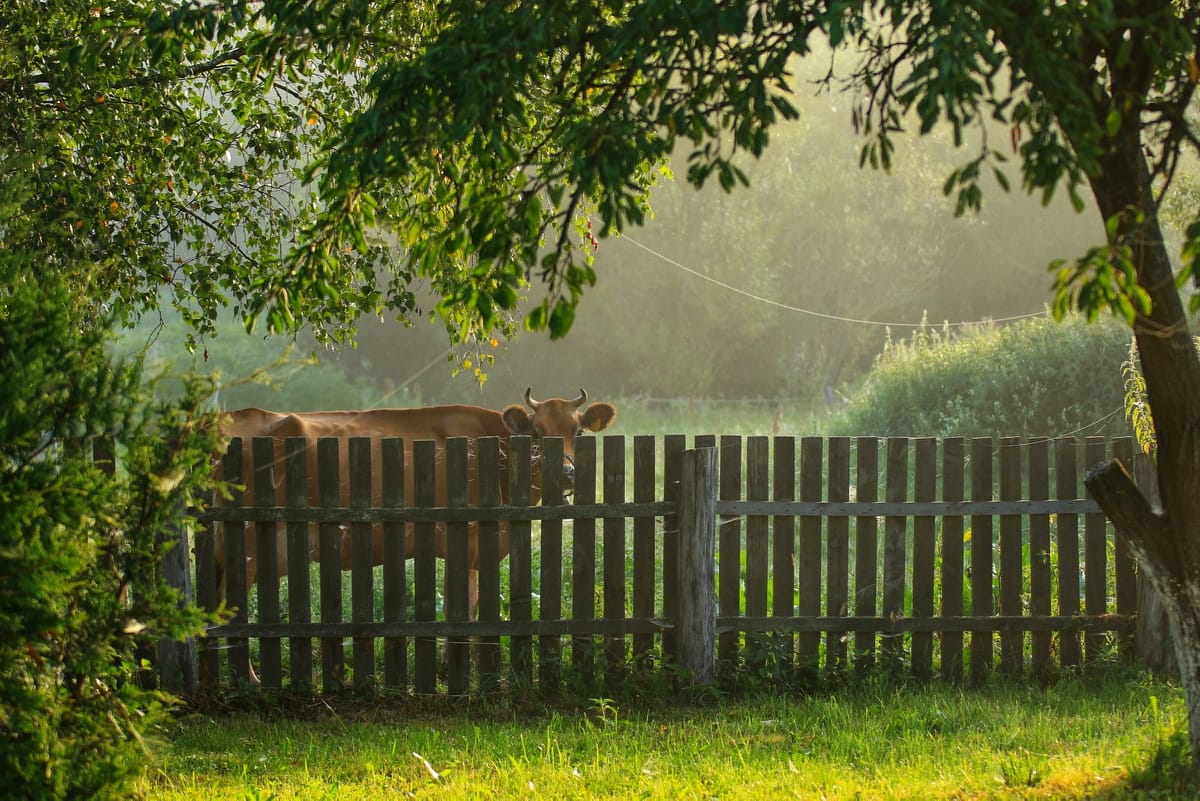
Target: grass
(1112, 736)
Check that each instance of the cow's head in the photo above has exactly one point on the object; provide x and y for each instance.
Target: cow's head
(558, 417)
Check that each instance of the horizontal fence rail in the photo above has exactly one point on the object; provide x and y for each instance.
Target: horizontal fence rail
(954, 556)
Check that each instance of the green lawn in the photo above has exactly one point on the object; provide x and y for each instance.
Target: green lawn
(1114, 735)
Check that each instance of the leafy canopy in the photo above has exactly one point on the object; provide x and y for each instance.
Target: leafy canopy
(499, 138)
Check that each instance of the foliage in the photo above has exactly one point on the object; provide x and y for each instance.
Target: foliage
(1137, 407)
(1030, 378)
(81, 547)
(565, 113)
(173, 164)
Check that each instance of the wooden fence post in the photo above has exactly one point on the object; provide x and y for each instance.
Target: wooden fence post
(177, 662)
(697, 620)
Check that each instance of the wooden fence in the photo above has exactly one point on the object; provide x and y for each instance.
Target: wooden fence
(953, 557)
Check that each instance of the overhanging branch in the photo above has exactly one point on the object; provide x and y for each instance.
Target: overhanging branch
(1146, 531)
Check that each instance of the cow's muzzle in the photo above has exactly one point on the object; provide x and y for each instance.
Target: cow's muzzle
(568, 476)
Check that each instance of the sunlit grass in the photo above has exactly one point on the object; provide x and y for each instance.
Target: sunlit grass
(1075, 740)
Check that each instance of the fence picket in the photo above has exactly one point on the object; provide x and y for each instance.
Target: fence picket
(809, 575)
(783, 546)
(262, 451)
(1039, 555)
(757, 489)
(424, 569)
(953, 470)
(490, 457)
(583, 560)
(520, 561)
(1012, 643)
(923, 554)
(236, 591)
(1095, 569)
(673, 447)
(643, 543)
(395, 578)
(866, 568)
(729, 550)
(1126, 570)
(550, 576)
(330, 534)
(838, 575)
(456, 604)
(1066, 487)
(895, 531)
(982, 657)
(614, 558)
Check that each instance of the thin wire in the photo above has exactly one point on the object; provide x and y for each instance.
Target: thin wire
(810, 312)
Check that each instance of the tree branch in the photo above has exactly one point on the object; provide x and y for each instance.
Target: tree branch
(1148, 533)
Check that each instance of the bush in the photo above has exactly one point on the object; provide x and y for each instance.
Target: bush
(81, 546)
(1032, 378)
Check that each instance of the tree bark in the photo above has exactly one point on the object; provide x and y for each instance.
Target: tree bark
(1166, 544)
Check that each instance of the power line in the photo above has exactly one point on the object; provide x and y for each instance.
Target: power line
(810, 312)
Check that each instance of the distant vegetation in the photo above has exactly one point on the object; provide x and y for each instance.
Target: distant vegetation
(1032, 378)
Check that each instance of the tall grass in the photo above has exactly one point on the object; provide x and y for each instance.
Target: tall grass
(1115, 737)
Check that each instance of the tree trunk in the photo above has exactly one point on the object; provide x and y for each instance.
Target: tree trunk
(1167, 543)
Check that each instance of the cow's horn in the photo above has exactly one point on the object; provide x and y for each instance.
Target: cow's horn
(529, 401)
(582, 399)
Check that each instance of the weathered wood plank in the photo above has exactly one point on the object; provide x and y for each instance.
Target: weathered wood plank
(208, 661)
(1066, 485)
(1012, 577)
(783, 547)
(837, 600)
(673, 447)
(644, 577)
(424, 567)
(757, 489)
(362, 579)
(395, 570)
(819, 624)
(1095, 569)
(551, 573)
(895, 531)
(1126, 570)
(982, 656)
(1039, 556)
(757, 551)
(809, 554)
(234, 568)
(953, 470)
(601, 511)
(330, 535)
(729, 548)
(866, 548)
(614, 557)
(262, 451)
(491, 454)
(697, 606)
(923, 552)
(455, 602)
(520, 561)
(583, 560)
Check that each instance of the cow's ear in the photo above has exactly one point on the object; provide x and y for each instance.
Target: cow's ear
(599, 416)
(517, 420)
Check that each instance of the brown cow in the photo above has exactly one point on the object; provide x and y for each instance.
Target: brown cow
(550, 418)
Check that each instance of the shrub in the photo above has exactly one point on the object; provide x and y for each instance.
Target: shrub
(81, 546)
(1036, 377)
